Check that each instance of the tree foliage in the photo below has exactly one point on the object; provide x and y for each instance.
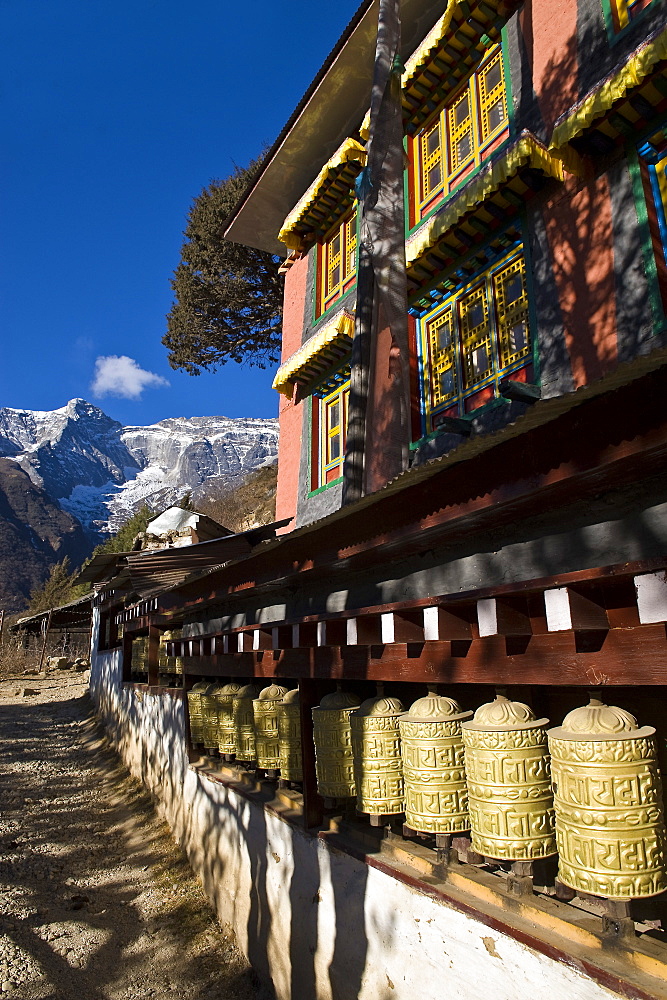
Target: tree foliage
(228, 297)
(56, 591)
(59, 589)
(124, 537)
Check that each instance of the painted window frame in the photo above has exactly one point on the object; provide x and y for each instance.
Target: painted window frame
(648, 166)
(473, 356)
(326, 461)
(475, 126)
(344, 257)
(621, 14)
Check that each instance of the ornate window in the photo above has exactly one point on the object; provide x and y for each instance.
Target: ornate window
(461, 134)
(477, 334)
(653, 171)
(329, 423)
(624, 11)
(338, 261)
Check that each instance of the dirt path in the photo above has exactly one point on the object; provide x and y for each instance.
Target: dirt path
(96, 902)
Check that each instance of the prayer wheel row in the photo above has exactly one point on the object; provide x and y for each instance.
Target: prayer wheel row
(491, 774)
(256, 726)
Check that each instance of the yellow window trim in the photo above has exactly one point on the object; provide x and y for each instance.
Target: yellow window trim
(526, 150)
(337, 335)
(350, 151)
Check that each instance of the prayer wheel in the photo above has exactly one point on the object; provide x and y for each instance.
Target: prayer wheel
(509, 788)
(139, 655)
(169, 664)
(244, 722)
(376, 746)
(334, 763)
(436, 794)
(209, 713)
(194, 706)
(607, 792)
(225, 697)
(267, 741)
(289, 737)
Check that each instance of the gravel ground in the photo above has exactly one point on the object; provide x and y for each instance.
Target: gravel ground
(96, 901)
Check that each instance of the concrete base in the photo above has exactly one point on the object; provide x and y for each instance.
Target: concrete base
(316, 922)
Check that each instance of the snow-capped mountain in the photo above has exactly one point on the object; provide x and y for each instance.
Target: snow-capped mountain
(101, 472)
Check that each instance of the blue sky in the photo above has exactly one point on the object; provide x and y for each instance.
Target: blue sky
(115, 115)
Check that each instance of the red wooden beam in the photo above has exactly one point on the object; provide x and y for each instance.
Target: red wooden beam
(621, 656)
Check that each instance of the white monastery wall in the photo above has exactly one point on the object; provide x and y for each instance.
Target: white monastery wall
(320, 924)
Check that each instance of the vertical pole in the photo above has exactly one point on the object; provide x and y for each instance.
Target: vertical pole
(381, 283)
(46, 636)
(153, 654)
(127, 656)
(2, 622)
(313, 805)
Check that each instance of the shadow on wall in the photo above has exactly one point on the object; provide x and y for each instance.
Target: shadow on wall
(297, 907)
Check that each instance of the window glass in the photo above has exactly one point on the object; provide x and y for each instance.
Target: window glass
(339, 260)
(473, 337)
(332, 419)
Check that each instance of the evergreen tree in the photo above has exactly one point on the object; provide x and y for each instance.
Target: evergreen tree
(228, 297)
(123, 539)
(55, 592)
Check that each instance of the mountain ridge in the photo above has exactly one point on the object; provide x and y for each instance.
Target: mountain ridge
(98, 472)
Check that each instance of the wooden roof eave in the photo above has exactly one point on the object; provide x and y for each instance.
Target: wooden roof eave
(620, 107)
(535, 450)
(484, 206)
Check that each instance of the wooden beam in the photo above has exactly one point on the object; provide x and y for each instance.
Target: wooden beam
(623, 656)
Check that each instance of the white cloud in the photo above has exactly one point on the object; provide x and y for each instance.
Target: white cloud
(122, 376)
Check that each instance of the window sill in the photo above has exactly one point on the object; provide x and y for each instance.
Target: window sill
(327, 486)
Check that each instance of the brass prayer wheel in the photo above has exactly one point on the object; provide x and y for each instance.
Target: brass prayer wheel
(436, 794)
(209, 713)
(139, 663)
(509, 788)
(244, 722)
(194, 707)
(289, 737)
(334, 763)
(376, 746)
(265, 711)
(607, 792)
(169, 664)
(225, 697)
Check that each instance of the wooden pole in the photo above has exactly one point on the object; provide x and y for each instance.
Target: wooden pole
(46, 636)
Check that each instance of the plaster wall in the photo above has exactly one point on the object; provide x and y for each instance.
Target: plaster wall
(318, 923)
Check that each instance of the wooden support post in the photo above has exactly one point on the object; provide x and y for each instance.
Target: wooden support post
(520, 882)
(617, 919)
(127, 656)
(310, 694)
(461, 844)
(153, 654)
(46, 636)
(443, 847)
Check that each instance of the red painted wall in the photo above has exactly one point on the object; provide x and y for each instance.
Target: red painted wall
(549, 29)
(388, 423)
(580, 234)
(290, 414)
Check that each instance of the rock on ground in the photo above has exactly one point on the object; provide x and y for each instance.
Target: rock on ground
(96, 901)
